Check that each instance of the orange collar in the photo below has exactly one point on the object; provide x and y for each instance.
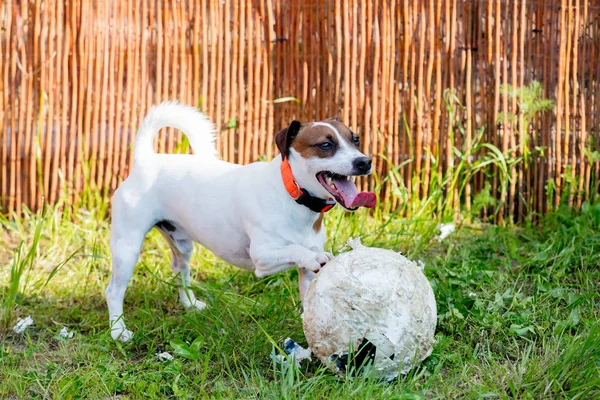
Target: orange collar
(299, 194)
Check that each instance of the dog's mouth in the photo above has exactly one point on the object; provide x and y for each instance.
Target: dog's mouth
(344, 191)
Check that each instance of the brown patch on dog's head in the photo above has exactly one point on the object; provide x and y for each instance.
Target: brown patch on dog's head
(318, 224)
(316, 140)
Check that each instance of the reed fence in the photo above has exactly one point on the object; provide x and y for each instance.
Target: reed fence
(423, 82)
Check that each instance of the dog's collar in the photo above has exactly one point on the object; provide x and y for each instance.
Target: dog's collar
(300, 194)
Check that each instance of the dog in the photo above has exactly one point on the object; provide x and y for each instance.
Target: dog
(264, 217)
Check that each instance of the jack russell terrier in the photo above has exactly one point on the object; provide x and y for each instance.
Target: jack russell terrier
(265, 217)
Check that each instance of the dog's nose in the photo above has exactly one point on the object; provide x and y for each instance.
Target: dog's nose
(362, 165)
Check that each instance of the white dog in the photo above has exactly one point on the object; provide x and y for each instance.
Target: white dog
(264, 217)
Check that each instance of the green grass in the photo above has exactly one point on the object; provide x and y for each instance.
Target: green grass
(518, 315)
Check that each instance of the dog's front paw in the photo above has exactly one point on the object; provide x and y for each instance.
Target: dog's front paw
(324, 258)
(316, 261)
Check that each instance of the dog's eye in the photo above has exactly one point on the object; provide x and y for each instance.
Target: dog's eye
(326, 146)
(356, 140)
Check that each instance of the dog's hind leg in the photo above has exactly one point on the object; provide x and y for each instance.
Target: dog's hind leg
(181, 248)
(129, 226)
(181, 264)
(125, 252)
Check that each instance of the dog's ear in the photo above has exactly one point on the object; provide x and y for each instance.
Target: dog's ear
(286, 136)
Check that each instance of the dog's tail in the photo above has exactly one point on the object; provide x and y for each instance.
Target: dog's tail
(199, 130)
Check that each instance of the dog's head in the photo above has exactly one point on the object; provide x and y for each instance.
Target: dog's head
(325, 158)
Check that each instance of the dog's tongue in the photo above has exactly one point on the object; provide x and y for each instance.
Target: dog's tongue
(352, 198)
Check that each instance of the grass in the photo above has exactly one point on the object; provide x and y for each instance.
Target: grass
(518, 315)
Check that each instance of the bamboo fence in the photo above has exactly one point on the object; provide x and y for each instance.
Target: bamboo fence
(77, 77)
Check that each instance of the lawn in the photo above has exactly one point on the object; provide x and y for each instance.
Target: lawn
(518, 315)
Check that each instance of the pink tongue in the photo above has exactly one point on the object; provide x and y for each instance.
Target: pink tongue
(352, 198)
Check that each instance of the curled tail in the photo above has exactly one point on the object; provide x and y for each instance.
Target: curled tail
(196, 126)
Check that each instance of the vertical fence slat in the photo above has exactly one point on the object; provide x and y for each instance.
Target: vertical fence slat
(429, 133)
(450, 140)
(22, 137)
(83, 114)
(566, 151)
(375, 88)
(7, 112)
(505, 128)
(115, 151)
(12, 186)
(576, 116)
(270, 79)
(381, 131)
(367, 131)
(256, 53)
(4, 133)
(28, 75)
(96, 88)
(53, 130)
(523, 186)
(585, 107)
(559, 103)
(353, 54)
(64, 97)
(228, 49)
(212, 92)
(339, 51)
(130, 106)
(390, 95)
(219, 74)
(246, 99)
(206, 43)
(406, 133)
(242, 99)
(174, 67)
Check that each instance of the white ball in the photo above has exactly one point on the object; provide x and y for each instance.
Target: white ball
(375, 301)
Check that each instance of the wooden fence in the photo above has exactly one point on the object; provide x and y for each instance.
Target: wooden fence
(422, 82)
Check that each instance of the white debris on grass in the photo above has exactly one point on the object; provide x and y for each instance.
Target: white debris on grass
(165, 356)
(294, 352)
(22, 324)
(445, 230)
(420, 264)
(65, 333)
